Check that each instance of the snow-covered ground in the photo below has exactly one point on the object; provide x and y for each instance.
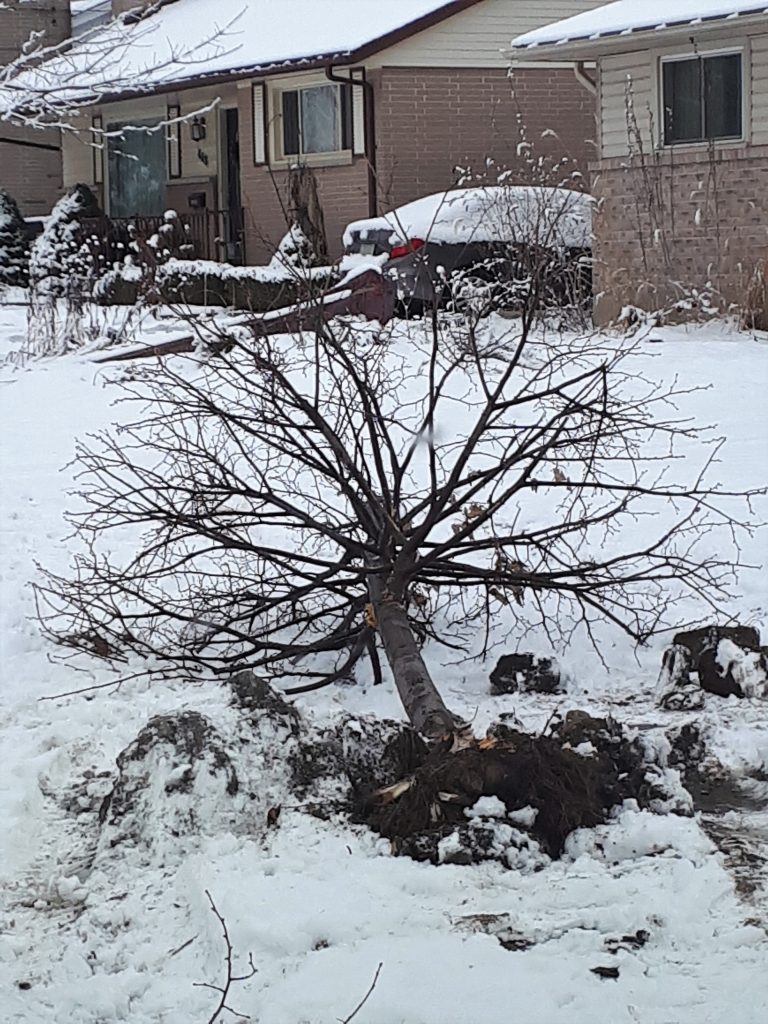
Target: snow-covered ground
(91, 933)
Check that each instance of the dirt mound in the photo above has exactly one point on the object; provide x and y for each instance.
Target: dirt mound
(513, 797)
(569, 779)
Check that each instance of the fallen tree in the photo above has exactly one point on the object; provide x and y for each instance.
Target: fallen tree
(310, 500)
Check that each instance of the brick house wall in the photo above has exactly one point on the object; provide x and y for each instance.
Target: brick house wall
(33, 176)
(429, 121)
(672, 227)
(343, 193)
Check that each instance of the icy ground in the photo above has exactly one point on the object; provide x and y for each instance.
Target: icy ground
(91, 934)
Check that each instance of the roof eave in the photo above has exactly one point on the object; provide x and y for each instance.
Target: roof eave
(200, 81)
(618, 42)
(294, 65)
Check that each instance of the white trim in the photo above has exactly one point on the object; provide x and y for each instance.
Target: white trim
(658, 85)
(357, 76)
(278, 158)
(259, 153)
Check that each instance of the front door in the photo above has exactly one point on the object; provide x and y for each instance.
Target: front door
(136, 163)
(231, 197)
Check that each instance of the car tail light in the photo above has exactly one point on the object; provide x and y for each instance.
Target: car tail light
(412, 245)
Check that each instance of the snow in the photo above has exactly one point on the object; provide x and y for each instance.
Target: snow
(189, 39)
(747, 668)
(626, 16)
(551, 216)
(91, 933)
(87, 14)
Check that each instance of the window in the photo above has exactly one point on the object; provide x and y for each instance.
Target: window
(317, 119)
(137, 168)
(702, 98)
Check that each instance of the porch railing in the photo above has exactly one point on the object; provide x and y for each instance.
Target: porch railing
(212, 234)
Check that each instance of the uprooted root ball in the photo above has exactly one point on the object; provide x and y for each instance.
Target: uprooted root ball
(571, 779)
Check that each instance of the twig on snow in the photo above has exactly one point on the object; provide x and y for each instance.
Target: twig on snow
(183, 946)
(224, 990)
(84, 689)
(365, 998)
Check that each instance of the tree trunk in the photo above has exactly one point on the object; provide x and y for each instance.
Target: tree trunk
(421, 700)
(307, 209)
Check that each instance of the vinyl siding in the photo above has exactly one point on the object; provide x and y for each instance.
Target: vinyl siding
(759, 111)
(77, 154)
(640, 67)
(479, 36)
(623, 76)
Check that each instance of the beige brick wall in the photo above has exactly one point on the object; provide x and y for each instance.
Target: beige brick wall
(428, 122)
(666, 229)
(343, 192)
(432, 120)
(20, 18)
(31, 175)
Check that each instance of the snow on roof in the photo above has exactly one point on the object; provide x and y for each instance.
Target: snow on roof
(191, 39)
(86, 14)
(628, 16)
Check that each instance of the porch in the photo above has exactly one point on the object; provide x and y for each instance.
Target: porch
(215, 235)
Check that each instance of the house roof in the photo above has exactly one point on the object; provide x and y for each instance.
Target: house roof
(87, 14)
(182, 42)
(629, 17)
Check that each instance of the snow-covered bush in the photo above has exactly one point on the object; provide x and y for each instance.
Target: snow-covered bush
(147, 249)
(14, 247)
(63, 263)
(63, 266)
(205, 283)
(294, 252)
(172, 240)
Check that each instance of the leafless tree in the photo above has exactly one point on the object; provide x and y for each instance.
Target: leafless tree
(300, 502)
(49, 85)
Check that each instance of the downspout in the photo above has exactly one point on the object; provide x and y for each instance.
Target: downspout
(369, 129)
(583, 78)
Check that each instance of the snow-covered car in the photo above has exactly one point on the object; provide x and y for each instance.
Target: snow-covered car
(452, 241)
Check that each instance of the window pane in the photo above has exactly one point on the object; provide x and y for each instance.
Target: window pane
(290, 123)
(137, 171)
(320, 120)
(722, 96)
(682, 101)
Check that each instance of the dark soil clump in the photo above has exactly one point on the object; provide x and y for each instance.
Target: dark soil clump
(525, 673)
(699, 640)
(254, 695)
(566, 789)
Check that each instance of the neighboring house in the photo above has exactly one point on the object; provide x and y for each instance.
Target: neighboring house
(384, 99)
(682, 169)
(89, 14)
(30, 160)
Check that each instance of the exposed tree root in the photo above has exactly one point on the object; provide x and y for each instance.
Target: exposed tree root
(567, 790)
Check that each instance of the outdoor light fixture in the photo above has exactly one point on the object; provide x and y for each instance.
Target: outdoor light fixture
(197, 129)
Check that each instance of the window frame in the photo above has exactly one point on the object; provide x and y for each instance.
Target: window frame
(277, 137)
(702, 55)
